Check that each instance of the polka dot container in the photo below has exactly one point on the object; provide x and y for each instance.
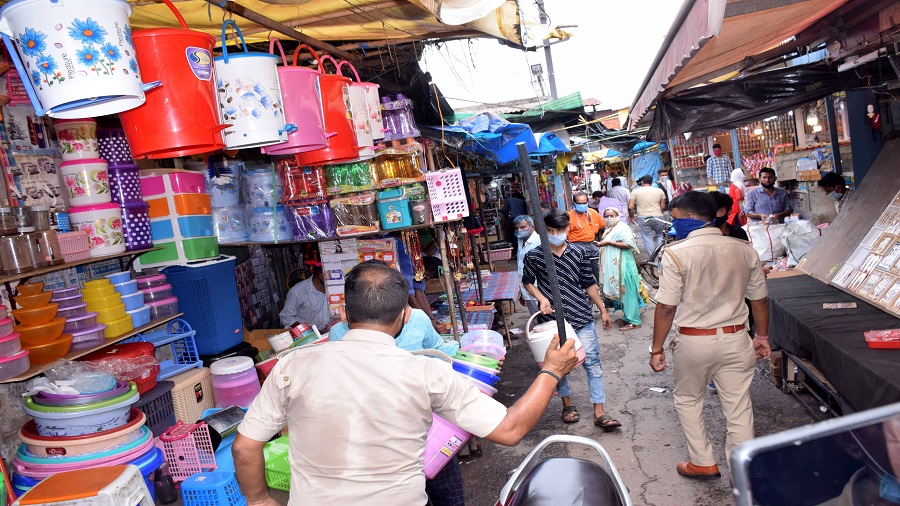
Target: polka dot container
(136, 224)
(114, 147)
(125, 184)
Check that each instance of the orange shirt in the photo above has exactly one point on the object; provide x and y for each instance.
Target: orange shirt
(584, 227)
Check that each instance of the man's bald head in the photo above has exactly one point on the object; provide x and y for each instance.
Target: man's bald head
(374, 293)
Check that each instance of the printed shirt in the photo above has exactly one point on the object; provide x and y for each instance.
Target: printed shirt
(584, 227)
(357, 411)
(759, 202)
(718, 170)
(524, 247)
(417, 334)
(573, 269)
(305, 304)
(708, 276)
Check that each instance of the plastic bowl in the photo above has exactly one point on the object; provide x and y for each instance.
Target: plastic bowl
(47, 446)
(119, 277)
(69, 312)
(100, 291)
(36, 315)
(103, 302)
(126, 288)
(89, 337)
(35, 335)
(36, 462)
(484, 377)
(80, 322)
(125, 394)
(70, 301)
(484, 387)
(110, 314)
(46, 353)
(30, 288)
(133, 301)
(487, 370)
(14, 365)
(480, 337)
(99, 459)
(477, 359)
(10, 344)
(118, 327)
(32, 301)
(58, 400)
(80, 423)
(6, 326)
(488, 350)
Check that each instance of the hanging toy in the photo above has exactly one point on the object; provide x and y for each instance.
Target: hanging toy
(874, 118)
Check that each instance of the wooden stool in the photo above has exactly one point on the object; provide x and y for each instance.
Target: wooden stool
(99, 486)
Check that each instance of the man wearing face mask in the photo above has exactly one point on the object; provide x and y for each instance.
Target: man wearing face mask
(586, 224)
(836, 189)
(718, 168)
(725, 203)
(767, 203)
(705, 278)
(528, 240)
(574, 272)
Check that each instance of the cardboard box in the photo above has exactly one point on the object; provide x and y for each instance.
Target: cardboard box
(809, 175)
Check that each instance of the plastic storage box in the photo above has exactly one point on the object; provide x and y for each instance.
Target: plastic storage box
(157, 405)
(200, 225)
(180, 251)
(173, 181)
(183, 204)
(192, 394)
(211, 489)
(393, 209)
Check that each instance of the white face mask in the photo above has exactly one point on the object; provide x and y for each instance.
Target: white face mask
(663, 179)
(835, 195)
(612, 222)
(556, 239)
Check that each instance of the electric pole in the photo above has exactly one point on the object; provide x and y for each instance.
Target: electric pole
(551, 76)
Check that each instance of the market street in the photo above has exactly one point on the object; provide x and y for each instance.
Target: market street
(650, 443)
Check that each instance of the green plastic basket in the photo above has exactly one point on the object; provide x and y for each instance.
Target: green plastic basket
(2, 491)
(278, 469)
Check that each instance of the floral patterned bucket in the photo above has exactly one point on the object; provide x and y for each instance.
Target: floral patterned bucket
(85, 182)
(250, 97)
(103, 223)
(76, 59)
(77, 138)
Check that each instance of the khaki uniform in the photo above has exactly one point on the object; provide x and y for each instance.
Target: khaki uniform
(707, 276)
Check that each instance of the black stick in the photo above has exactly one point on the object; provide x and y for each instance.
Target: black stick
(534, 204)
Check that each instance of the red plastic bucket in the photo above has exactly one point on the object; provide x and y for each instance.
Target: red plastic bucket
(181, 117)
(342, 146)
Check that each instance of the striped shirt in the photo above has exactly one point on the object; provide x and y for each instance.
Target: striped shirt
(718, 170)
(573, 269)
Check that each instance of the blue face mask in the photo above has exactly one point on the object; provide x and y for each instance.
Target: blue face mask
(581, 208)
(556, 239)
(684, 226)
(523, 234)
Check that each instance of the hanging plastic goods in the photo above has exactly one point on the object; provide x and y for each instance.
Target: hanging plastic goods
(300, 183)
(262, 187)
(342, 144)
(310, 220)
(359, 111)
(356, 214)
(398, 117)
(223, 182)
(414, 249)
(419, 204)
(400, 165)
(230, 224)
(181, 117)
(350, 177)
(302, 105)
(267, 224)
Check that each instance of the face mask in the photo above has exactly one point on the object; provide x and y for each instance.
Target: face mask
(612, 222)
(835, 195)
(556, 239)
(663, 179)
(717, 152)
(684, 226)
(402, 324)
(523, 234)
(720, 220)
(767, 186)
(581, 208)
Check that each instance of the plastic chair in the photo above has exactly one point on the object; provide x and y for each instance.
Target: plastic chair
(101, 486)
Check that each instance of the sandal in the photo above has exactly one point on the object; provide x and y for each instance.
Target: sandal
(630, 326)
(607, 423)
(566, 411)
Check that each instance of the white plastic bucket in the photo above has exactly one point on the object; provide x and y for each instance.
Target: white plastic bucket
(442, 442)
(359, 111)
(539, 339)
(76, 59)
(250, 97)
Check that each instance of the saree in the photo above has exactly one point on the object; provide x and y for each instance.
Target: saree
(621, 280)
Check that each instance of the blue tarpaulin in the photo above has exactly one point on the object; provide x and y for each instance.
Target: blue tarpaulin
(548, 144)
(493, 136)
(646, 165)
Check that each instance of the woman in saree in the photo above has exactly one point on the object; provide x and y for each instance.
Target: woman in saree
(621, 281)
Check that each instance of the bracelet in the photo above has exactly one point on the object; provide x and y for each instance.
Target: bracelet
(550, 373)
(761, 338)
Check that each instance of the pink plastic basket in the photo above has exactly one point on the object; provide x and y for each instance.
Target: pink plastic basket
(442, 442)
(75, 246)
(188, 450)
(448, 197)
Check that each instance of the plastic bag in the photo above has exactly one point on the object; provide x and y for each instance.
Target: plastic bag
(766, 240)
(64, 376)
(350, 177)
(311, 220)
(230, 224)
(799, 237)
(301, 183)
(125, 369)
(356, 215)
(262, 187)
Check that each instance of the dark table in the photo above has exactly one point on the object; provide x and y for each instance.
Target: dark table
(832, 339)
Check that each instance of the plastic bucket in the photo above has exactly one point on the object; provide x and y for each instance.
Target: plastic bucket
(250, 96)
(342, 146)
(182, 117)
(539, 339)
(442, 442)
(302, 105)
(360, 113)
(74, 57)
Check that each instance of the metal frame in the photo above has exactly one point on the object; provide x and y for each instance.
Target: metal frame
(814, 382)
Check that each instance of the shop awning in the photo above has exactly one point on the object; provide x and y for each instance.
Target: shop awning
(713, 37)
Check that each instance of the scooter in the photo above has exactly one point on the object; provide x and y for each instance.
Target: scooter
(565, 480)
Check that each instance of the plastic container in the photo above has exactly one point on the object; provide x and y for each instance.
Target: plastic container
(262, 187)
(136, 226)
(75, 245)
(163, 308)
(29, 288)
(34, 301)
(230, 224)
(139, 316)
(120, 326)
(181, 251)
(7, 221)
(539, 337)
(145, 378)
(103, 223)
(156, 293)
(267, 224)
(242, 349)
(399, 165)
(65, 292)
(157, 406)
(77, 423)
(80, 322)
(350, 177)
(14, 365)
(118, 278)
(133, 301)
(29, 316)
(442, 442)
(481, 337)
(103, 301)
(301, 183)
(73, 309)
(125, 184)
(209, 489)
(183, 226)
(484, 387)
(356, 214)
(126, 288)
(113, 147)
(77, 138)
(40, 218)
(69, 302)
(15, 254)
(10, 344)
(163, 182)
(48, 352)
(488, 350)
(88, 337)
(393, 209)
(96, 284)
(32, 335)
(310, 220)
(110, 314)
(484, 377)
(100, 394)
(223, 183)
(234, 381)
(192, 394)
(85, 182)
(185, 204)
(150, 281)
(71, 446)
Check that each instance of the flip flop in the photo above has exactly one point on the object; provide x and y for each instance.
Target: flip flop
(607, 423)
(630, 326)
(570, 409)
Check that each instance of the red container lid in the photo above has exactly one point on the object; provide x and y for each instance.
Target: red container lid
(125, 350)
(84, 161)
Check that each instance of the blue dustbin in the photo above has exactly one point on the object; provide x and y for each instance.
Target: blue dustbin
(393, 207)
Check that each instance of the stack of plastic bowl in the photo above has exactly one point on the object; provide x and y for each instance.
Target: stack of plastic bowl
(482, 377)
(158, 295)
(83, 431)
(133, 298)
(13, 359)
(483, 342)
(41, 329)
(81, 324)
(101, 296)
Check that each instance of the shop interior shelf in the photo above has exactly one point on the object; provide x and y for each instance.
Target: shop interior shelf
(370, 234)
(38, 369)
(54, 268)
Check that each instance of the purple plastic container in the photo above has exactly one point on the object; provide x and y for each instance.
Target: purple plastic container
(114, 147)
(125, 184)
(136, 224)
(311, 220)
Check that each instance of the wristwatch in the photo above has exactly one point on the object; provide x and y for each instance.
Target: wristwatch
(660, 352)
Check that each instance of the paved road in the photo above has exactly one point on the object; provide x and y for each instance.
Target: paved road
(650, 442)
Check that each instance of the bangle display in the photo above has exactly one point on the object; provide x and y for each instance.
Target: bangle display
(550, 373)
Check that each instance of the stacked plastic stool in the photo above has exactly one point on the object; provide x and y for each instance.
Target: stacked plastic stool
(100, 486)
(211, 489)
(181, 220)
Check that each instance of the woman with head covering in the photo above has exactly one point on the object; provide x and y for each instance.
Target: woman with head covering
(621, 281)
(736, 191)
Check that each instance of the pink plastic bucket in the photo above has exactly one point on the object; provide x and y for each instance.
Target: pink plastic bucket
(302, 102)
(442, 442)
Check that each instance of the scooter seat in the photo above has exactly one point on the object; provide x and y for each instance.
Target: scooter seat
(567, 482)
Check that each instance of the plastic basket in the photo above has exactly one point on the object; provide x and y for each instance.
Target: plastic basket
(453, 210)
(211, 489)
(157, 405)
(497, 254)
(445, 184)
(192, 394)
(188, 450)
(180, 338)
(74, 245)
(278, 468)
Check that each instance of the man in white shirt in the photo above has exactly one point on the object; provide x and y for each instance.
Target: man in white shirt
(648, 204)
(358, 409)
(619, 192)
(596, 182)
(306, 303)
(528, 240)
